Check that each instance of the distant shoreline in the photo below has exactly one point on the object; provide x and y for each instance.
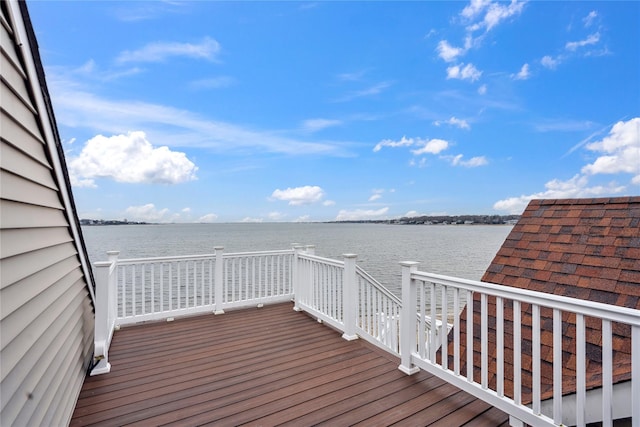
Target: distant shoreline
(420, 220)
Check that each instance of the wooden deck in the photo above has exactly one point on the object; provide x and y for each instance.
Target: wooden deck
(266, 366)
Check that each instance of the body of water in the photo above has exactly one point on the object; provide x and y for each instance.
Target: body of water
(456, 250)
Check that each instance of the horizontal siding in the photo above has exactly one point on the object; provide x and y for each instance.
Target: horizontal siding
(18, 241)
(8, 50)
(14, 107)
(31, 295)
(43, 371)
(18, 136)
(17, 162)
(21, 215)
(46, 316)
(13, 270)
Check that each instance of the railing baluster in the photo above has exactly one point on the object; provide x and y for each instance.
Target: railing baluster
(607, 374)
(433, 346)
(456, 331)
(422, 341)
(187, 283)
(535, 350)
(484, 338)
(517, 353)
(143, 269)
(153, 288)
(581, 390)
(470, 336)
(121, 273)
(635, 374)
(445, 326)
(133, 289)
(500, 346)
(557, 366)
(161, 290)
(202, 282)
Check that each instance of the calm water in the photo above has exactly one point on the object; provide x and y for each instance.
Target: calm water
(462, 251)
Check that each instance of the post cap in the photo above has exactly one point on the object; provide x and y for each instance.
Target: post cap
(409, 263)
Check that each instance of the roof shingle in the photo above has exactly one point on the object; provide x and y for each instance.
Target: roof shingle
(580, 248)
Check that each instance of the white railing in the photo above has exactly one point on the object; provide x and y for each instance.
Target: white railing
(344, 296)
(492, 314)
(336, 292)
(378, 316)
(484, 338)
(147, 289)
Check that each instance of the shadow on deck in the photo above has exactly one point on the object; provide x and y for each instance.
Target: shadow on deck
(265, 366)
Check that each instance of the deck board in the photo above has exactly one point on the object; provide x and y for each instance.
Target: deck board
(266, 366)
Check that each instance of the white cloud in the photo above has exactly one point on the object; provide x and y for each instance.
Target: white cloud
(588, 20)
(404, 142)
(448, 52)
(620, 151)
(77, 108)
(412, 214)
(315, 125)
(160, 51)
(453, 121)
(211, 217)
(420, 164)
(130, 158)
(549, 62)
(377, 194)
(463, 72)
(361, 214)
(490, 13)
(147, 213)
(482, 90)
(575, 187)
(471, 163)
(433, 146)
(303, 218)
(250, 219)
(370, 91)
(328, 203)
(299, 195)
(590, 40)
(498, 12)
(523, 74)
(474, 8)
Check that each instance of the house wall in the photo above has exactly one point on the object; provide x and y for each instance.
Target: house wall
(46, 313)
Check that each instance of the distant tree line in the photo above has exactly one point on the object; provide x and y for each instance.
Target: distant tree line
(109, 222)
(447, 219)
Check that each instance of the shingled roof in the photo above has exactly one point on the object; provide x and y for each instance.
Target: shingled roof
(580, 248)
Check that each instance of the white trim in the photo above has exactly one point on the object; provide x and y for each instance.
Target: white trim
(620, 407)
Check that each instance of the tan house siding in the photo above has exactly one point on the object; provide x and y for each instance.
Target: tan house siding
(46, 311)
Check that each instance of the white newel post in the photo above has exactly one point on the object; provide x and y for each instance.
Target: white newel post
(105, 308)
(217, 284)
(408, 318)
(349, 297)
(297, 277)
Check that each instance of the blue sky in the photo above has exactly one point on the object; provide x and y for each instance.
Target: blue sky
(206, 111)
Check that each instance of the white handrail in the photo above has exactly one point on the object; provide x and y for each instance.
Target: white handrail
(419, 290)
(588, 308)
